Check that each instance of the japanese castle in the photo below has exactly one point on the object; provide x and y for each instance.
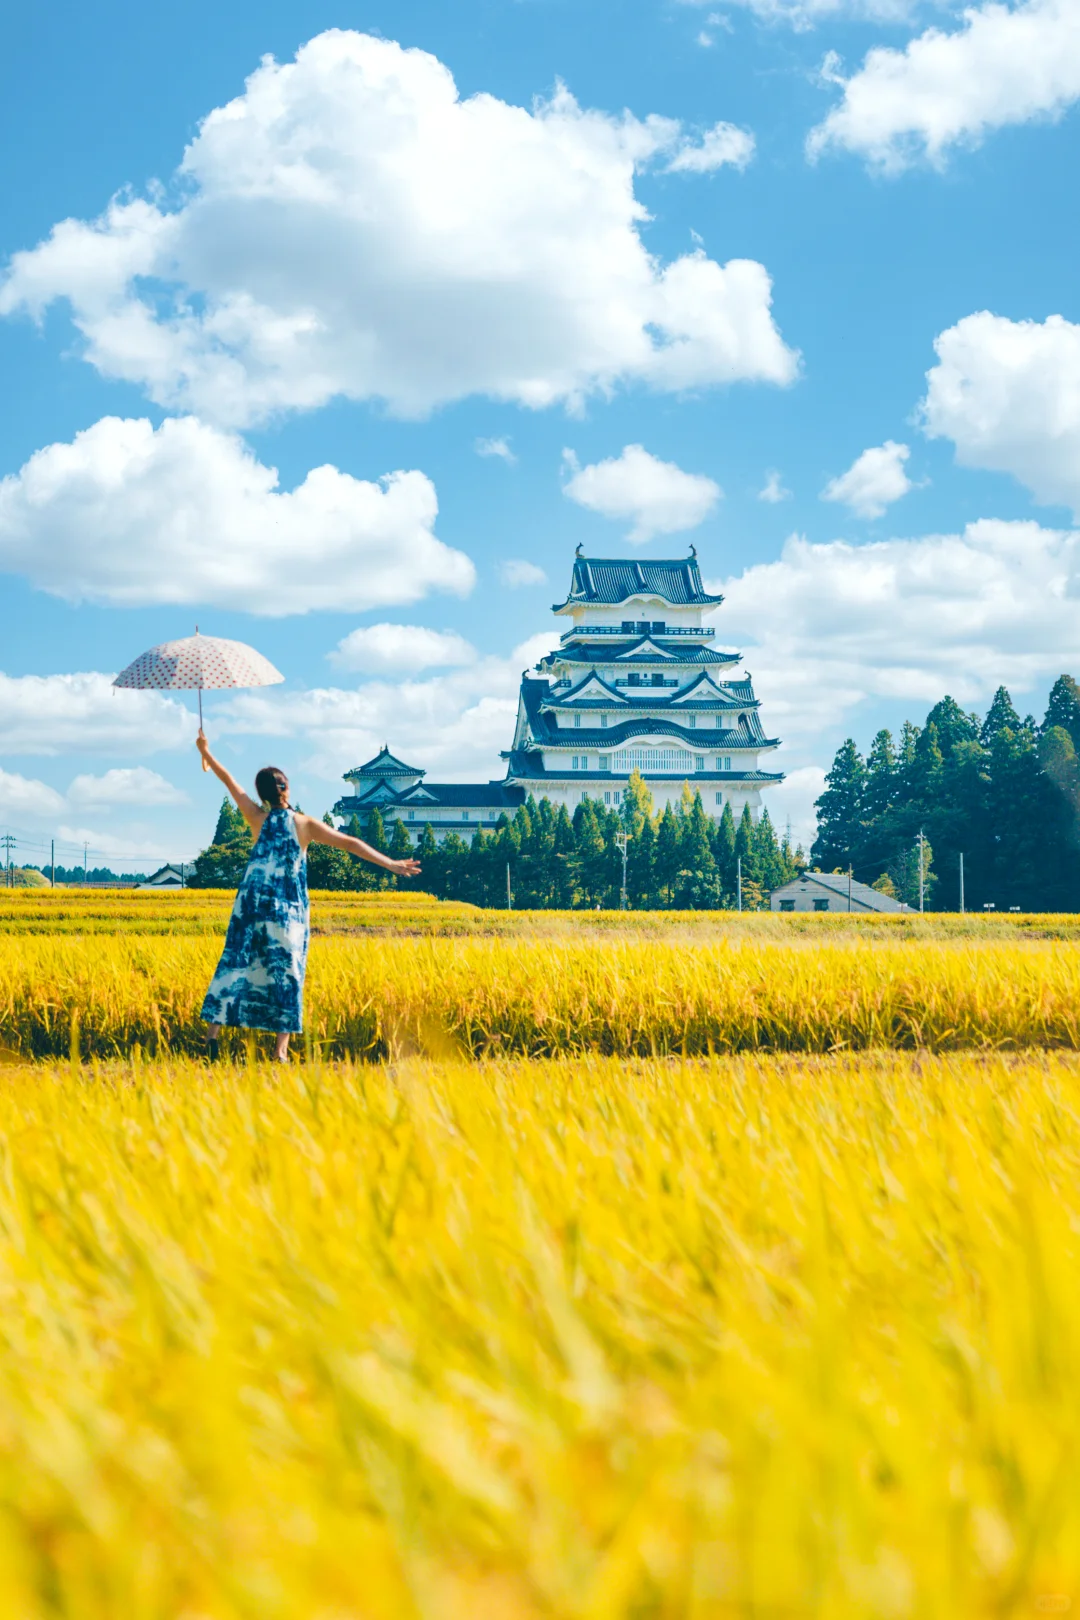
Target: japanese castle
(635, 684)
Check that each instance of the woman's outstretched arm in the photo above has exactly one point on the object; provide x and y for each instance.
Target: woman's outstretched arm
(252, 813)
(319, 833)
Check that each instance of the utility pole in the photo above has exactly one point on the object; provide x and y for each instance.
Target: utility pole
(738, 879)
(961, 884)
(509, 902)
(52, 863)
(9, 841)
(921, 867)
(84, 852)
(849, 886)
(622, 839)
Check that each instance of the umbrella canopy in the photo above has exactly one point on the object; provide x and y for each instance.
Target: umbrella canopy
(202, 663)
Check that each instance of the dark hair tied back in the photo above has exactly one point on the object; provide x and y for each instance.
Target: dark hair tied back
(271, 784)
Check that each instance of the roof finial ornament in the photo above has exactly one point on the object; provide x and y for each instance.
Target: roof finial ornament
(577, 549)
(693, 549)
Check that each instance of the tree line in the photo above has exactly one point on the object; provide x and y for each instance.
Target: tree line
(1001, 791)
(675, 859)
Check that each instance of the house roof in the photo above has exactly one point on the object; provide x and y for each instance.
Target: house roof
(862, 895)
(611, 580)
(384, 764)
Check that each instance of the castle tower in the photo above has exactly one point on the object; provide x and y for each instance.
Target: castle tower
(637, 685)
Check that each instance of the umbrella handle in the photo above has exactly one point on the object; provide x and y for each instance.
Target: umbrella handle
(205, 766)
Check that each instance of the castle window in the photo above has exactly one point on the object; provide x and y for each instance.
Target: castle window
(618, 798)
(699, 762)
(628, 627)
(607, 798)
(719, 798)
(464, 815)
(412, 815)
(693, 722)
(577, 720)
(603, 719)
(491, 815)
(604, 762)
(658, 627)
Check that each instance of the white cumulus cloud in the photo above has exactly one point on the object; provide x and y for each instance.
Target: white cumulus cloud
(1005, 65)
(1008, 395)
(128, 785)
(85, 714)
(130, 515)
(379, 649)
(656, 496)
(23, 798)
(349, 226)
(516, 572)
(825, 627)
(873, 481)
(721, 145)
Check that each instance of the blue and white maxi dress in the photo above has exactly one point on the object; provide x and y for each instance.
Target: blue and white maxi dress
(259, 982)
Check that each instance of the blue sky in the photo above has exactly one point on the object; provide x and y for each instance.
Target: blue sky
(356, 271)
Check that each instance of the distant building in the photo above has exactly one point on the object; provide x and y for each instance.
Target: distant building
(635, 684)
(830, 891)
(166, 877)
(399, 793)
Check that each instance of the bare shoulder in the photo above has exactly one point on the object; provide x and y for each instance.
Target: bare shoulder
(308, 829)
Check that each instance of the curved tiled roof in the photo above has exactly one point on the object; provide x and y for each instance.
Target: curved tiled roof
(622, 652)
(384, 764)
(611, 580)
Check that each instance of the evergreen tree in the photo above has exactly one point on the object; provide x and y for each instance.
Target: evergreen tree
(698, 886)
(1001, 717)
(640, 864)
(221, 866)
(746, 861)
(724, 853)
(637, 805)
(230, 825)
(772, 869)
(666, 863)
(839, 810)
(1063, 709)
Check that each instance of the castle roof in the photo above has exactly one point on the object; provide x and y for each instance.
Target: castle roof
(384, 764)
(608, 581)
(429, 798)
(641, 648)
(548, 733)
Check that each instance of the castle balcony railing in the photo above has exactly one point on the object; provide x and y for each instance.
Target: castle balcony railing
(636, 627)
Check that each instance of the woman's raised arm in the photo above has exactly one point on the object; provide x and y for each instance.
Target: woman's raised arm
(317, 832)
(252, 813)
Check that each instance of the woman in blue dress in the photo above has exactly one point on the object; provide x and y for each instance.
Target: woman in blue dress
(259, 982)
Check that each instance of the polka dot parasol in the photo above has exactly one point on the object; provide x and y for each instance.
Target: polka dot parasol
(197, 663)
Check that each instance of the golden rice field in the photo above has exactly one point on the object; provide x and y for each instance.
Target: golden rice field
(579, 1268)
(586, 1338)
(386, 997)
